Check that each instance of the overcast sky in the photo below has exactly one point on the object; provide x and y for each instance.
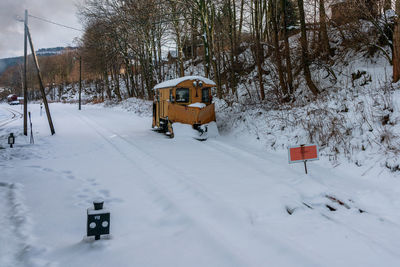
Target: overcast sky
(44, 35)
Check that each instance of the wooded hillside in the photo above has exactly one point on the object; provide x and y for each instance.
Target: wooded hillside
(271, 46)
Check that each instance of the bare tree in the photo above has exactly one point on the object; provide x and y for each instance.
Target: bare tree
(304, 50)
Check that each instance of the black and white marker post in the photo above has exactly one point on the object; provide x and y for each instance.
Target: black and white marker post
(98, 220)
(11, 140)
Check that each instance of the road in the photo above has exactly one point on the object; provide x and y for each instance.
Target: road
(181, 202)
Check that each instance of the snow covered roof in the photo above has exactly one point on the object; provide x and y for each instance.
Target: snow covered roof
(175, 82)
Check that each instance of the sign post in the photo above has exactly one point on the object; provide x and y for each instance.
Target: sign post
(303, 153)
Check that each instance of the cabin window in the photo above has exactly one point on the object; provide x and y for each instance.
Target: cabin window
(182, 95)
(205, 95)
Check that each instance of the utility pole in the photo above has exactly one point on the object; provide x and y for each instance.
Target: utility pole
(46, 105)
(25, 82)
(80, 80)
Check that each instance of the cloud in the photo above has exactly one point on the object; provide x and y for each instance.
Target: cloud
(43, 34)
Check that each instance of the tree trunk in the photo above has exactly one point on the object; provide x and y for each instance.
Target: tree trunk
(304, 50)
(117, 86)
(289, 70)
(180, 53)
(259, 50)
(387, 5)
(240, 21)
(278, 57)
(108, 90)
(129, 77)
(324, 39)
(115, 82)
(232, 42)
(396, 46)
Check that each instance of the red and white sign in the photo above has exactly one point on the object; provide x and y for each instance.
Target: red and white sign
(303, 153)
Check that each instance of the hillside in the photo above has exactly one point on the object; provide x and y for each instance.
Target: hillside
(9, 62)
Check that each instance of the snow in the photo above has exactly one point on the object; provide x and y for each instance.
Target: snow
(182, 130)
(91, 211)
(15, 248)
(197, 105)
(181, 202)
(175, 82)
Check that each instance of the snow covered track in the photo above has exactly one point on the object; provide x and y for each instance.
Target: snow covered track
(180, 202)
(181, 192)
(14, 238)
(14, 115)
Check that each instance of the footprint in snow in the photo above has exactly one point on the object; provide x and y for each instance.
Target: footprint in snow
(84, 196)
(105, 192)
(116, 200)
(35, 166)
(47, 170)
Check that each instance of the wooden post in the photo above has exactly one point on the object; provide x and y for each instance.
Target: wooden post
(25, 83)
(46, 105)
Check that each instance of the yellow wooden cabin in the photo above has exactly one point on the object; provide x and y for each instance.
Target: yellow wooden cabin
(186, 100)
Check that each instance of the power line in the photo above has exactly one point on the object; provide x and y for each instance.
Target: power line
(55, 23)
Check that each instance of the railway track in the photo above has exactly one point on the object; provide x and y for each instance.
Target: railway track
(182, 186)
(203, 196)
(14, 115)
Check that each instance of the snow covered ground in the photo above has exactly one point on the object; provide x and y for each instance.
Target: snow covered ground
(181, 202)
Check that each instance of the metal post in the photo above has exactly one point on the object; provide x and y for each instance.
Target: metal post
(80, 81)
(30, 123)
(98, 205)
(305, 166)
(25, 66)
